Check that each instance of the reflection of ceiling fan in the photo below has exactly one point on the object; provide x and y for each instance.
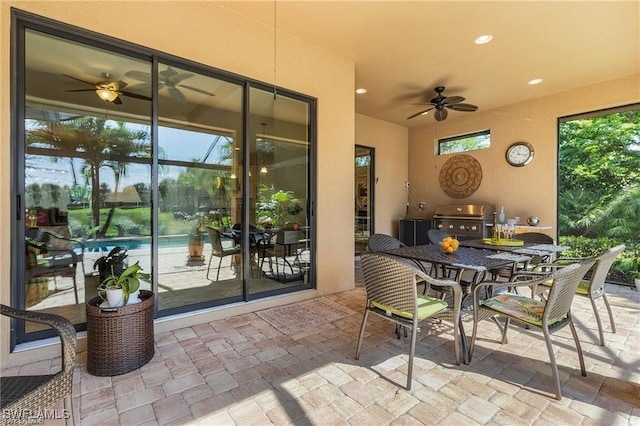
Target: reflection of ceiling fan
(107, 89)
(440, 103)
(169, 78)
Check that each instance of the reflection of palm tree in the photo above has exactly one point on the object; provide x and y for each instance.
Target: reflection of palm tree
(99, 144)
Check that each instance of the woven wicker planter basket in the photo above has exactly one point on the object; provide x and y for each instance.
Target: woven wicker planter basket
(119, 340)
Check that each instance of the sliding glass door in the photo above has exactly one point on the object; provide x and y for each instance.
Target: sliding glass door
(201, 176)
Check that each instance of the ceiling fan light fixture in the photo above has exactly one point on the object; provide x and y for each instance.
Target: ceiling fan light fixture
(534, 81)
(107, 95)
(483, 39)
(361, 91)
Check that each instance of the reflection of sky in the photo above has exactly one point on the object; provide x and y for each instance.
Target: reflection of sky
(184, 145)
(175, 144)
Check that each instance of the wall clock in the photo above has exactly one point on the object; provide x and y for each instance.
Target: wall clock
(520, 154)
(460, 176)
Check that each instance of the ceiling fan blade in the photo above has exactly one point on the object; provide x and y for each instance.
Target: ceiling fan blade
(143, 89)
(176, 95)
(139, 75)
(419, 113)
(79, 79)
(81, 90)
(134, 95)
(117, 101)
(178, 78)
(453, 100)
(195, 89)
(421, 103)
(121, 84)
(441, 114)
(463, 107)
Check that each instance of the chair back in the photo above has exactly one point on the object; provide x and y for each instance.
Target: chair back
(379, 242)
(561, 293)
(534, 238)
(601, 269)
(289, 237)
(436, 236)
(216, 241)
(390, 282)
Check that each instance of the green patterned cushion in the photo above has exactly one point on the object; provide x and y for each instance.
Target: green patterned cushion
(427, 306)
(524, 308)
(583, 287)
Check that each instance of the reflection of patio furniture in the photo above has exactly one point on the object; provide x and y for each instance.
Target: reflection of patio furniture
(219, 250)
(391, 294)
(548, 317)
(59, 259)
(285, 247)
(31, 394)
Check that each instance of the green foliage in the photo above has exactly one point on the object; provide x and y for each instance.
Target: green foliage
(128, 281)
(599, 185)
(281, 206)
(581, 246)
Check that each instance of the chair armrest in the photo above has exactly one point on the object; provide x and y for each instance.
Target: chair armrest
(61, 325)
(534, 280)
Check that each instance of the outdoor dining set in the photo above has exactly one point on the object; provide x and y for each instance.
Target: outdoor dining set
(524, 282)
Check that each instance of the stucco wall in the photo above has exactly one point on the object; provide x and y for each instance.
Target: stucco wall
(523, 191)
(208, 33)
(391, 171)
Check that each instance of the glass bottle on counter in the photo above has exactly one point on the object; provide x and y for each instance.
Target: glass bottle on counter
(501, 217)
(495, 236)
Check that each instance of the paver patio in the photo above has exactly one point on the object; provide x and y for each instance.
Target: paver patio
(243, 371)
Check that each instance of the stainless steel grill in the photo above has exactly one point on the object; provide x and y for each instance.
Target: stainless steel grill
(464, 221)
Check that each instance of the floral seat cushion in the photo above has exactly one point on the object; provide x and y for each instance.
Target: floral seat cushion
(520, 307)
(583, 287)
(427, 306)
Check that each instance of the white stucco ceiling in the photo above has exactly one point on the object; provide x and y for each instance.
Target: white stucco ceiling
(403, 49)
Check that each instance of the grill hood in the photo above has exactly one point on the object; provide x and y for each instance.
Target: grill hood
(464, 211)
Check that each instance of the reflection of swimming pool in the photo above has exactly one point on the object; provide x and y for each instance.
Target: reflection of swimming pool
(137, 243)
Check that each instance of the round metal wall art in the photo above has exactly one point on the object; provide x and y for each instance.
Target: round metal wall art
(460, 176)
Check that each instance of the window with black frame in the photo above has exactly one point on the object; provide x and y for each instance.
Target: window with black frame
(198, 204)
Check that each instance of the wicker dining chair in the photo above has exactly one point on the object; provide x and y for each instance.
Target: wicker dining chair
(548, 316)
(379, 242)
(21, 396)
(391, 294)
(219, 250)
(436, 236)
(592, 284)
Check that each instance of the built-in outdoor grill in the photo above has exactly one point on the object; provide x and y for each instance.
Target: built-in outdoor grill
(464, 221)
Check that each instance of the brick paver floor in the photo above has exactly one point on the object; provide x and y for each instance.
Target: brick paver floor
(243, 371)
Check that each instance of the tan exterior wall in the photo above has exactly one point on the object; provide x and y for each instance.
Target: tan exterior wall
(523, 191)
(208, 33)
(391, 171)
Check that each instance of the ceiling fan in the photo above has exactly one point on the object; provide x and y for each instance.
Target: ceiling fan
(441, 103)
(108, 90)
(169, 78)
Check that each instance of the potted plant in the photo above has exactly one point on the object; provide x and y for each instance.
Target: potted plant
(196, 239)
(120, 287)
(281, 206)
(113, 263)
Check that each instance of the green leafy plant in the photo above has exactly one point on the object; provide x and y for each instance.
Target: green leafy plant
(128, 281)
(280, 206)
(112, 264)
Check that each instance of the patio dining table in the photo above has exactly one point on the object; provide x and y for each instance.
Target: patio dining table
(463, 259)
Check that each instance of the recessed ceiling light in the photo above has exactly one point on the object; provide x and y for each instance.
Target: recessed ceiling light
(483, 39)
(361, 91)
(535, 81)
